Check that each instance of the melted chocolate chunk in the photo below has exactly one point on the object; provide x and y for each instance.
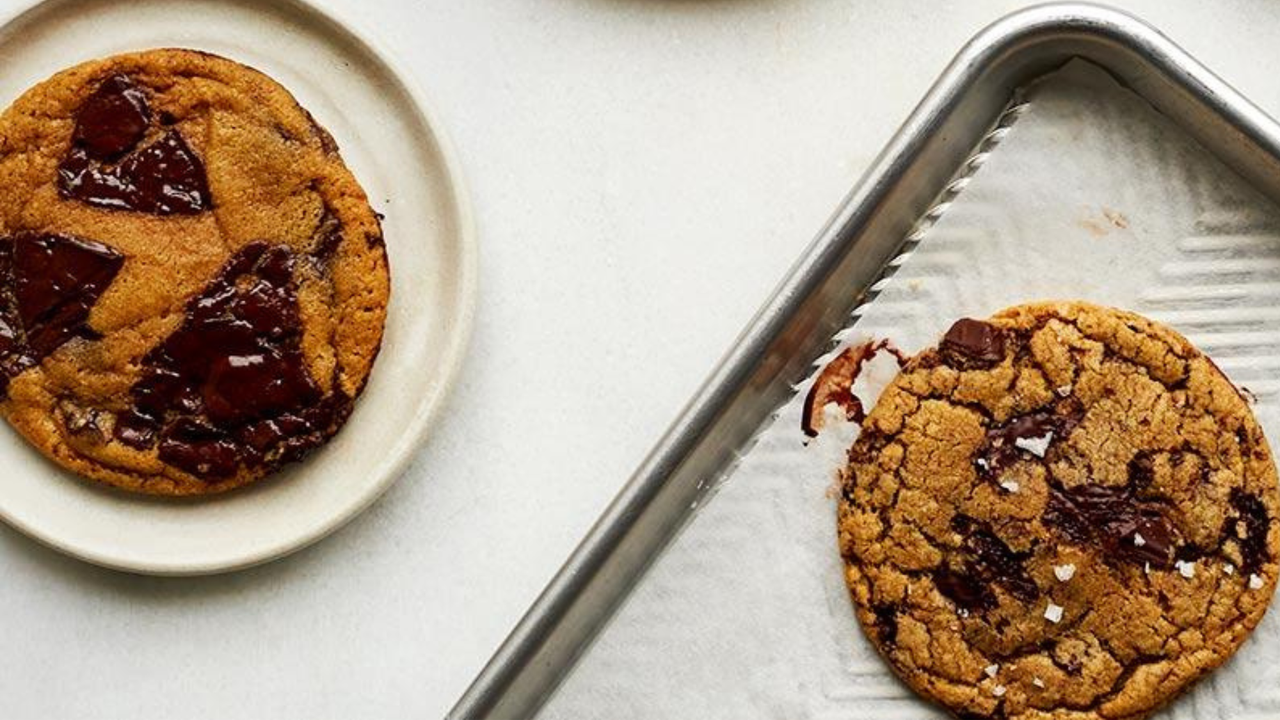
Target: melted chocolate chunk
(327, 142)
(1249, 529)
(964, 587)
(48, 284)
(106, 167)
(1112, 517)
(1001, 447)
(163, 178)
(135, 430)
(113, 120)
(992, 561)
(199, 449)
(230, 385)
(9, 340)
(1003, 566)
(887, 622)
(328, 237)
(973, 343)
(1141, 471)
(292, 435)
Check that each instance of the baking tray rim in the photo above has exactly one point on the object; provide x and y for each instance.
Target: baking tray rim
(547, 642)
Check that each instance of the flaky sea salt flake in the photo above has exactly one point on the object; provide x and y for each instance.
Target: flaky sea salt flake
(1037, 682)
(1064, 572)
(998, 691)
(1139, 540)
(991, 669)
(1186, 569)
(1035, 445)
(1053, 613)
(1255, 581)
(1010, 485)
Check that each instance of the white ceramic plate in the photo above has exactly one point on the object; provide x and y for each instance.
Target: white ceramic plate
(389, 141)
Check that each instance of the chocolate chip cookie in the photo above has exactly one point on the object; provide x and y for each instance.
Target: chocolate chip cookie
(193, 285)
(1065, 511)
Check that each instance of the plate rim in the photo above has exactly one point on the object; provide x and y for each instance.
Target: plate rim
(458, 343)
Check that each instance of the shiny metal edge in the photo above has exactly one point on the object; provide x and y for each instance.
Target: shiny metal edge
(814, 302)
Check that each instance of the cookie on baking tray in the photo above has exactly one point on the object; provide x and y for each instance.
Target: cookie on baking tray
(193, 285)
(1065, 511)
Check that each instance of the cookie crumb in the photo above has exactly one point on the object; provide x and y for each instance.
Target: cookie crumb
(1053, 613)
(831, 395)
(1255, 581)
(991, 670)
(1010, 485)
(1064, 572)
(1185, 569)
(1248, 395)
(1035, 445)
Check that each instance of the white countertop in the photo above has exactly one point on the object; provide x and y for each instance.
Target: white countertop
(643, 172)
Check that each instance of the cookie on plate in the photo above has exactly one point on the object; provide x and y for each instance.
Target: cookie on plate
(193, 285)
(1065, 511)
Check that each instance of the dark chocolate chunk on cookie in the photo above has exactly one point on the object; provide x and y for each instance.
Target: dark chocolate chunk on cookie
(973, 342)
(48, 284)
(113, 120)
(230, 386)
(106, 166)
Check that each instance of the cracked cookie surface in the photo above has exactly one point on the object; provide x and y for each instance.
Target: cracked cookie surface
(1063, 512)
(193, 286)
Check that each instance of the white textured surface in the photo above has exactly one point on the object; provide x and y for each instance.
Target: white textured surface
(643, 173)
(747, 614)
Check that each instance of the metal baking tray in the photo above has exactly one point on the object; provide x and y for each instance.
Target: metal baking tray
(814, 302)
